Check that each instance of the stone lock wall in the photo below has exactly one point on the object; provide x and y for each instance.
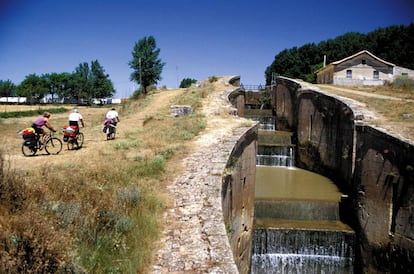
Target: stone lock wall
(284, 103)
(238, 198)
(325, 136)
(374, 169)
(384, 200)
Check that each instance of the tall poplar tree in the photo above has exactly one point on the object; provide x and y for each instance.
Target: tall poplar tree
(146, 65)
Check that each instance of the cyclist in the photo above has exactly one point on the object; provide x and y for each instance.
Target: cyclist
(39, 123)
(113, 115)
(74, 118)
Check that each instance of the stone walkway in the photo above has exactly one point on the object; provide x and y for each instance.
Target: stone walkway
(195, 239)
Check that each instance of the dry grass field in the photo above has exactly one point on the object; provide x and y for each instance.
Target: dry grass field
(96, 209)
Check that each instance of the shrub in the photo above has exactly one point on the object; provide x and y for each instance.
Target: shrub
(404, 82)
(212, 79)
(187, 82)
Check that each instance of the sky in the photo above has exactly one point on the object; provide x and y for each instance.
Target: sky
(197, 38)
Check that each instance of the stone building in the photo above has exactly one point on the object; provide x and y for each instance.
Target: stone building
(362, 68)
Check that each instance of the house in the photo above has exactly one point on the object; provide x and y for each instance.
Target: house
(362, 68)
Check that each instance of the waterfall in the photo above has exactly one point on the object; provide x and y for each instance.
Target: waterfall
(297, 226)
(275, 156)
(302, 251)
(267, 123)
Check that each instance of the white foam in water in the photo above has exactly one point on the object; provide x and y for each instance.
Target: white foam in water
(300, 264)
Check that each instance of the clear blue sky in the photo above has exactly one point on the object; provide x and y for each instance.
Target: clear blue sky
(197, 38)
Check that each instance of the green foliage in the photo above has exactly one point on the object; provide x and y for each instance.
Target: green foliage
(186, 128)
(7, 88)
(101, 85)
(212, 79)
(150, 167)
(91, 82)
(85, 82)
(125, 144)
(393, 44)
(193, 97)
(33, 87)
(404, 82)
(187, 82)
(146, 65)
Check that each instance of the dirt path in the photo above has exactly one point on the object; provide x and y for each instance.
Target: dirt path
(95, 140)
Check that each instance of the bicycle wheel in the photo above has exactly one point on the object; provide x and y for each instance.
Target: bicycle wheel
(71, 143)
(53, 145)
(80, 139)
(110, 134)
(28, 150)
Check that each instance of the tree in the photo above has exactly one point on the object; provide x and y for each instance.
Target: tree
(6, 88)
(91, 82)
(67, 85)
(146, 65)
(53, 82)
(33, 87)
(82, 81)
(186, 82)
(101, 85)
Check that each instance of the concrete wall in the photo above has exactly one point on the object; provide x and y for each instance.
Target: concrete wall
(375, 169)
(238, 198)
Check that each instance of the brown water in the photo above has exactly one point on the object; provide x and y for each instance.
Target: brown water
(297, 228)
(280, 183)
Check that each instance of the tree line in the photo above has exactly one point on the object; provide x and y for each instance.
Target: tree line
(85, 83)
(88, 81)
(392, 44)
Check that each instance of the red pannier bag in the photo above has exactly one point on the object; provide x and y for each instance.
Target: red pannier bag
(28, 133)
(70, 131)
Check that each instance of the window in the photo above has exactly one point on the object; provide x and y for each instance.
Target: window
(349, 74)
(376, 75)
(364, 62)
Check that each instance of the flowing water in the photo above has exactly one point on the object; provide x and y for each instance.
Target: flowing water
(267, 123)
(302, 251)
(297, 227)
(275, 156)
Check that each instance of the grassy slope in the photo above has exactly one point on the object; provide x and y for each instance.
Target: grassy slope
(97, 208)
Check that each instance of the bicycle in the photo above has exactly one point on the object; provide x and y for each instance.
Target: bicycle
(73, 137)
(32, 144)
(109, 129)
